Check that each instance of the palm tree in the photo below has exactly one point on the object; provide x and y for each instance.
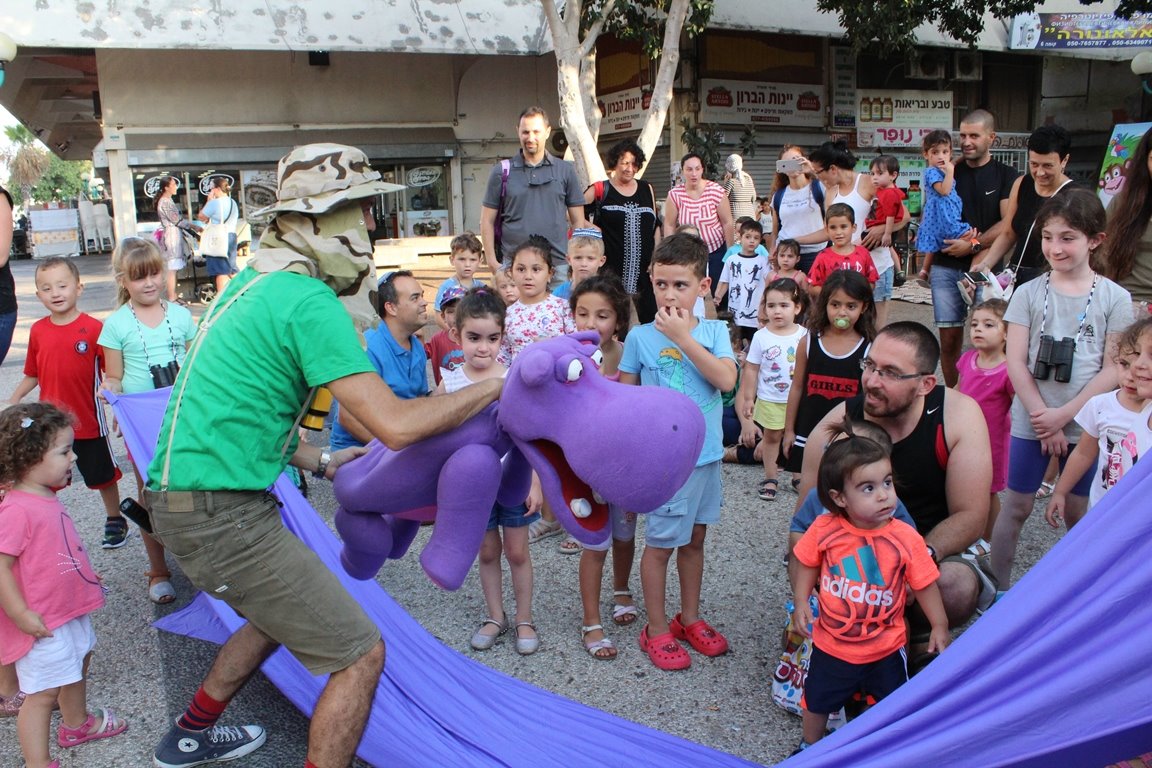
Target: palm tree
(27, 162)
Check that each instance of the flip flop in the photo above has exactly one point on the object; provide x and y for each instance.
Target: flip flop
(107, 726)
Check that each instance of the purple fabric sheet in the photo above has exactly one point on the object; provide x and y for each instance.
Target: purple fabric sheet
(434, 706)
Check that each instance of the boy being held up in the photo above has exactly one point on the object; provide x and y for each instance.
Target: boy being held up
(840, 221)
(585, 257)
(693, 356)
(943, 217)
(465, 259)
(742, 280)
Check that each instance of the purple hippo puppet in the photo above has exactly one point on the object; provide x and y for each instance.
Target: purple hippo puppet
(593, 442)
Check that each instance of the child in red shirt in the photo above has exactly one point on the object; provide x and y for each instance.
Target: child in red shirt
(65, 361)
(444, 353)
(840, 221)
(864, 560)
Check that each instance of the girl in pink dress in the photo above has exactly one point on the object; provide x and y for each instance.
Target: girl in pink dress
(984, 377)
(47, 585)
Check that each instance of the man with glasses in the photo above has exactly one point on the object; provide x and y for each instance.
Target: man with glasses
(941, 461)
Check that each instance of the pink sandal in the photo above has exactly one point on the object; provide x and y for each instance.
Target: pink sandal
(107, 726)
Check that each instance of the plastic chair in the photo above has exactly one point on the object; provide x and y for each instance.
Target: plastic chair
(89, 237)
(104, 226)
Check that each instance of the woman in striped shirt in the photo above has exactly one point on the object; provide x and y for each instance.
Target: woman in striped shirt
(704, 205)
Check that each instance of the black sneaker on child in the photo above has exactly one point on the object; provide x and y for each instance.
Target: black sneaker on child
(181, 748)
(115, 533)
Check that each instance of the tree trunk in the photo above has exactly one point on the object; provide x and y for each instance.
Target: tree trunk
(570, 52)
(665, 76)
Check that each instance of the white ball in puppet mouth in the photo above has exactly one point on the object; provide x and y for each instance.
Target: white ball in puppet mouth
(581, 508)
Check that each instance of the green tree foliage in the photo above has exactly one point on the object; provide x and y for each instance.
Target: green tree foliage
(888, 26)
(61, 180)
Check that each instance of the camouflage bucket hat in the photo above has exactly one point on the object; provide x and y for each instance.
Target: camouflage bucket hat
(316, 178)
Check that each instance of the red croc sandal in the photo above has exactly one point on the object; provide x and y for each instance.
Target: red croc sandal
(664, 651)
(700, 635)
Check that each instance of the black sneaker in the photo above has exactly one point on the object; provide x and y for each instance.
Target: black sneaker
(899, 278)
(115, 533)
(182, 748)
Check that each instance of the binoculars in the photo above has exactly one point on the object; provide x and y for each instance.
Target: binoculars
(1054, 358)
(164, 375)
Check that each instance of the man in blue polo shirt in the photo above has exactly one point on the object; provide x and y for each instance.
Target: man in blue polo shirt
(394, 349)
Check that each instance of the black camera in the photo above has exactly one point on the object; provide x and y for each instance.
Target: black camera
(1054, 358)
(164, 376)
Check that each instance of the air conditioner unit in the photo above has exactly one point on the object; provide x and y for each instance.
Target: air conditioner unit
(968, 65)
(926, 66)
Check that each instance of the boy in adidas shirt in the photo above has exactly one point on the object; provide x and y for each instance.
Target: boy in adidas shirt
(863, 559)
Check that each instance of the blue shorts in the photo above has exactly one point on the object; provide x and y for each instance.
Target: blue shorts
(949, 310)
(696, 503)
(622, 525)
(883, 289)
(218, 265)
(832, 681)
(510, 517)
(1027, 463)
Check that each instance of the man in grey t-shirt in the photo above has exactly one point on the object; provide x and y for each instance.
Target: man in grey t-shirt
(542, 196)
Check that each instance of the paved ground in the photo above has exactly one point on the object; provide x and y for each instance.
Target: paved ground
(148, 676)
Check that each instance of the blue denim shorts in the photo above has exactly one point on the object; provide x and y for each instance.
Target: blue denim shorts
(883, 289)
(696, 503)
(1027, 463)
(510, 517)
(949, 310)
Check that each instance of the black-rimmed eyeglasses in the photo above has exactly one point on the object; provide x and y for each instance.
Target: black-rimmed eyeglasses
(867, 365)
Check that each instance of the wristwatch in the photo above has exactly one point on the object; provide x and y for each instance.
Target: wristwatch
(322, 464)
(976, 246)
(932, 552)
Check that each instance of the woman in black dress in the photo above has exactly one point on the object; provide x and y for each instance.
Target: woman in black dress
(624, 208)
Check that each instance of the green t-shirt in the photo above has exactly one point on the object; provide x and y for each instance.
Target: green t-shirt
(249, 380)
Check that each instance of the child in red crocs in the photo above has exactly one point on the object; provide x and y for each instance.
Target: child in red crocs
(864, 560)
(47, 585)
(693, 356)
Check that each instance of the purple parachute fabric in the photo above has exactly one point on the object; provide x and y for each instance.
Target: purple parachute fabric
(434, 706)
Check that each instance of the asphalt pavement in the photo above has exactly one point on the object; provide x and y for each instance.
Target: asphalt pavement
(148, 676)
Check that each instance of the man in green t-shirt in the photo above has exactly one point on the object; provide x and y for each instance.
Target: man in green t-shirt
(285, 325)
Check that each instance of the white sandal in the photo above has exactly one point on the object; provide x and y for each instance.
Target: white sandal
(624, 615)
(603, 644)
(542, 529)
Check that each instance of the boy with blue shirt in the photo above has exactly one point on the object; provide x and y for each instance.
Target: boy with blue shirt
(693, 356)
(395, 350)
(465, 259)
